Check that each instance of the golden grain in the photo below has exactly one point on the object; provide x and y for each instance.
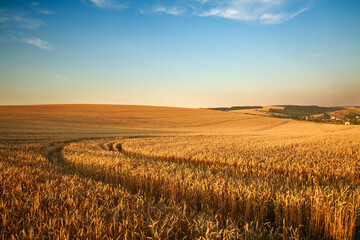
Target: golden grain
(268, 179)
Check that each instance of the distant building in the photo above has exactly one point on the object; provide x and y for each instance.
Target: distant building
(347, 123)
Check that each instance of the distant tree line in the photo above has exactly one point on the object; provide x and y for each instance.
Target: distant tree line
(297, 111)
(235, 108)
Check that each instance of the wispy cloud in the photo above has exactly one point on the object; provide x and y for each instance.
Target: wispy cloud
(102, 3)
(35, 5)
(269, 18)
(258, 11)
(261, 11)
(168, 10)
(39, 43)
(46, 12)
(109, 4)
(27, 22)
(18, 20)
(16, 27)
(203, 1)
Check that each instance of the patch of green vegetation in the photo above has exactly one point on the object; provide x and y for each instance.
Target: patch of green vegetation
(235, 108)
(298, 111)
(354, 118)
(352, 115)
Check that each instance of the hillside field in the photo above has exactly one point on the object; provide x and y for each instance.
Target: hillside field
(144, 172)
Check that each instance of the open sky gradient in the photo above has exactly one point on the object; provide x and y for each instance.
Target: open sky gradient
(189, 53)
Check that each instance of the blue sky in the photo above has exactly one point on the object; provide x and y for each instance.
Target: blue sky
(189, 53)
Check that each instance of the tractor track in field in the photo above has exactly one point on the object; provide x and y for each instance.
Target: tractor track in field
(220, 169)
(150, 187)
(202, 165)
(235, 171)
(53, 152)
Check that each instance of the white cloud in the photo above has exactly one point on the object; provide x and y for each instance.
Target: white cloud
(261, 11)
(39, 43)
(18, 20)
(229, 13)
(101, 3)
(170, 10)
(269, 18)
(299, 12)
(13, 24)
(111, 4)
(27, 22)
(46, 12)
(258, 11)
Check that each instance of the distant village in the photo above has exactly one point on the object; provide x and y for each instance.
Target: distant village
(351, 119)
(335, 115)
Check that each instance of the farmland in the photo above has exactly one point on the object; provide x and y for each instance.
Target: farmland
(140, 172)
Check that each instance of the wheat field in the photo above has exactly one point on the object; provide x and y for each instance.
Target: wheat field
(141, 172)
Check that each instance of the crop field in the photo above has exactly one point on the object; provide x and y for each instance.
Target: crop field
(140, 172)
